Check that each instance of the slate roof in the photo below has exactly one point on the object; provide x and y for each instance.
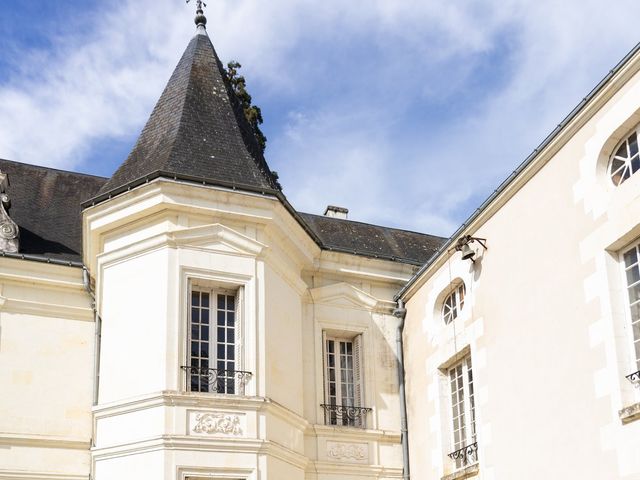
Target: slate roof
(196, 132)
(373, 240)
(197, 129)
(45, 203)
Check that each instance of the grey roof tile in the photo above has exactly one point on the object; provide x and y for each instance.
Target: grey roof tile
(45, 203)
(197, 128)
(373, 240)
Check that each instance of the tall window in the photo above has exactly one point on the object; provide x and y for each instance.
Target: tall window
(453, 304)
(626, 160)
(463, 414)
(631, 260)
(213, 343)
(343, 382)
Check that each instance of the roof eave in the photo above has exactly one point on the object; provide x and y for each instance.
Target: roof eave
(526, 163)
(243, 188)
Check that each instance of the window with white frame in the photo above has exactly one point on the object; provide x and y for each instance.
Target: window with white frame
(463, 414)
(631, 260)
(626, 159)
(214, 342)
(343, 381)
(453, 303)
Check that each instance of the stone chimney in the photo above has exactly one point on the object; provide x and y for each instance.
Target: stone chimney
(336, 212)
(9, 233)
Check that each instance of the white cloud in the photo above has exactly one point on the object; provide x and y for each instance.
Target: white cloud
(398, 138)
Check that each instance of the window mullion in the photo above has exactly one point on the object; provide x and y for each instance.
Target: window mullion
(467, 404)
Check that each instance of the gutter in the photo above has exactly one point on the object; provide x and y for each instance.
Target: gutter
(41, 259)
(525, 163)
(86, 281)
(400, 313)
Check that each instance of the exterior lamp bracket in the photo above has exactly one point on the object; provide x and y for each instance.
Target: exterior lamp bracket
(462, 245)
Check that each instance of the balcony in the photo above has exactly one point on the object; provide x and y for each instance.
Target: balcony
(634, 378)
(214, 380)
(465, 456)
(345, 415)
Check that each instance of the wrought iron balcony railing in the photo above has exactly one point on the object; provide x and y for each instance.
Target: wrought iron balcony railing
(345, 415)
(635, 378)
(214, 380)
(466, 455)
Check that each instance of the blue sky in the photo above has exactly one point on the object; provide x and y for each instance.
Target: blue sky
(408, 112)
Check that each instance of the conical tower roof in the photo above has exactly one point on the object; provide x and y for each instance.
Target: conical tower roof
(197, 130)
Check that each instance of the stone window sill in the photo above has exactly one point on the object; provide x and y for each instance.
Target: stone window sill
(467, 472)
(630, 413)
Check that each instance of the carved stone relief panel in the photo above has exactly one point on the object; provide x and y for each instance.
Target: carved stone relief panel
(224, 424)
(348, 452)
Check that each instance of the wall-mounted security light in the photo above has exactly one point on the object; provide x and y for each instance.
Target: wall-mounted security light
(462, 246)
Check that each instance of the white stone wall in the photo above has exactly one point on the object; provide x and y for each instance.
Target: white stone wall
(544, 318)
(46, 371)
(145, 249)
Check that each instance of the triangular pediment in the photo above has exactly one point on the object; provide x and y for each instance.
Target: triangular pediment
(217, 237)
(344, 295)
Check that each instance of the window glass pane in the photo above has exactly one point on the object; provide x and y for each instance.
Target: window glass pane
(204, 316)
(221, 302)
(634, 293)
(636, 330)
(622, 151)
(204, 299)
(221, 318)
(631, 257)
(635, 164)
(633, 145)
(195, 298)
(633, 275)
(617, 164)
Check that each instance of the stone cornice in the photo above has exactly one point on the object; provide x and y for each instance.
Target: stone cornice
(44, 441)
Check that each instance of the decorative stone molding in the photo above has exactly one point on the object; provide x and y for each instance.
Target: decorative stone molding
(216, 423)
(355, 452)
(9, 232)
(630, 413)
(463, 473)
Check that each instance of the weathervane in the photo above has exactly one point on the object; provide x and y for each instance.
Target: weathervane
(200, 20)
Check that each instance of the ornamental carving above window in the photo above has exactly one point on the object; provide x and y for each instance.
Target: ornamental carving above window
(453, 304)
(626, 160)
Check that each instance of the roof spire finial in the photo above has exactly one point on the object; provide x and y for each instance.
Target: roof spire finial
(201, 20)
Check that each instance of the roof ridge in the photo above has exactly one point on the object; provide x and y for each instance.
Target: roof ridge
(372, 225)
(53, 169)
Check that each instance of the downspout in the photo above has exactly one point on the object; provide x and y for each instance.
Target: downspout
(86, 281)
(400, 313)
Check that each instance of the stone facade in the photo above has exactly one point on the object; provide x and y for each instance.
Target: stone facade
(545, 325)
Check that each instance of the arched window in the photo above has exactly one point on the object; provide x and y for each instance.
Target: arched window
(626, 159)
(453, 304)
